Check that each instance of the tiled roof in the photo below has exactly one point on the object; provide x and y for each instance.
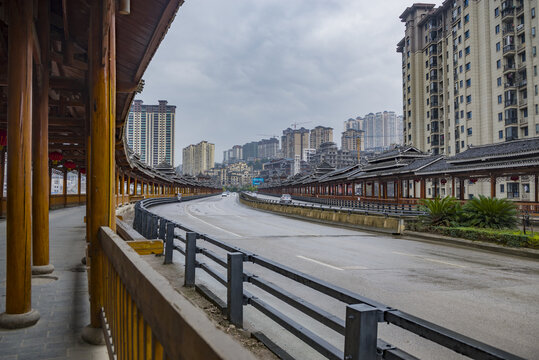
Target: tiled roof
(506, 149)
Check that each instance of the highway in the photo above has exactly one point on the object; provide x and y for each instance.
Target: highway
(490, 297)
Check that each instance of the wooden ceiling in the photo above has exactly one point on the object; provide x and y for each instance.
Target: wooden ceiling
(138, 37)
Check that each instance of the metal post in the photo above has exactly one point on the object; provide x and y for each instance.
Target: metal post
(162, 228)
(234, 289)
(169, 242)
(190, 258)
(361, 332)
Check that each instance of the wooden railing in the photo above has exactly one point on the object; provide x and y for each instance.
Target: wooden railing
(145, 318)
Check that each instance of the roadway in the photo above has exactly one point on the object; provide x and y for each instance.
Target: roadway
(490, 297)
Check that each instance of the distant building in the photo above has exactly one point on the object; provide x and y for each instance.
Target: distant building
(329, 153)
(320, 135)
(233, 155)
(198, 158)
(382, 130)
(150, 132)
(350, 139)
(268, 148)
(294, 141)
(250, 151)
(353, 124)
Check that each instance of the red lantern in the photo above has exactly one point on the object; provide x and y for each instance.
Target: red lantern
(473, 180)
(443, 181)
(417, 180)
(514, 178)
(70, 165)
(3, 139)
(83, 171)
(55, 157)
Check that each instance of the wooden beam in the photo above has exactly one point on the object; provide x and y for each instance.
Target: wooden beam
(66, 83)
(74, 63)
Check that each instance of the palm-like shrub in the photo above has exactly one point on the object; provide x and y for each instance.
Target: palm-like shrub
(440, 211)
(487, 212)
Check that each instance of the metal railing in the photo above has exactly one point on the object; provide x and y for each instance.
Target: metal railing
(360, 328)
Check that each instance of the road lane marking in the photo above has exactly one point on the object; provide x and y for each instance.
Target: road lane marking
(207, 223)
(320, 263)
(430, 259)
(355, 267)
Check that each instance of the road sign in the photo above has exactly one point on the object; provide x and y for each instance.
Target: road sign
(258, 181)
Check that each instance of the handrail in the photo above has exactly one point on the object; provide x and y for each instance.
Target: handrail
(358, 305)
(144, 317)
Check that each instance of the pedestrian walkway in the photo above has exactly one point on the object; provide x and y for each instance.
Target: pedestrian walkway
(61, 297)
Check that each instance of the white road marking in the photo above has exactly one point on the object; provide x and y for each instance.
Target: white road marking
(320, 263)
(355, 267)
(207, 223)
(429, 259)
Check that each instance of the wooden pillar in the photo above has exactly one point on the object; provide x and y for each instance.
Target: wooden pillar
(79, 177)
(536, 188)
(135, 185)
(40, 150)
(423, 191)
(64, 186)
(435, 181)
(122, 188)
(102, 84)
(19, 311)
(461, 194)
(492, 186)
(453, 186)
(2, 169)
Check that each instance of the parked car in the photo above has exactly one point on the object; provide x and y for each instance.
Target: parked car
(285, 199)
(225, 194)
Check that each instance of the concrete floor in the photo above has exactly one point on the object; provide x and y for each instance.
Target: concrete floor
(490, 297)
(61, 298)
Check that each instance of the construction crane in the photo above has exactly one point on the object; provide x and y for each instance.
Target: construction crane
(295, 125)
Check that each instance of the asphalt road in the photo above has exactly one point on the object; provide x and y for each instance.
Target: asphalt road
(490, 297)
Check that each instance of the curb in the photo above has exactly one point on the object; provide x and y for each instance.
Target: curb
(522, 252)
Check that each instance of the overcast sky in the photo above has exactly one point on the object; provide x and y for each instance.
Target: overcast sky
(237, 69)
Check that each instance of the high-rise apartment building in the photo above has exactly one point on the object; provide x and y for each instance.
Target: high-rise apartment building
(293, 142)
(320, 135)
(382, 130)
(469, 72)
(150, 132)
(199, 158)
(350, 140)
(353, 124)
(268, 148)
(250, 151)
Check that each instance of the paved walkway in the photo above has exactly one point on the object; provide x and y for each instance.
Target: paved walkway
(61, 298)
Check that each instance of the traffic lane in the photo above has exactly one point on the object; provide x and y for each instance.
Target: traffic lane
(469, 290)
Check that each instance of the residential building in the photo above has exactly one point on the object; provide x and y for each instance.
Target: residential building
(268, 148)
(320, 135)
(150, 132)
(233, 155)
(353, 124)
(469, 74)
(329, 153)
(250, 151)
(351, 138)
(198, 158)
(382, 130)
(293, 142)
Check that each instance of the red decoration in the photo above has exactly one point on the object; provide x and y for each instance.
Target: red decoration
(55, 157)
(69, 165)
(473, 180)
(83, 171)
(3, 139)
(443, 181)
(417, 180)
(514, 178)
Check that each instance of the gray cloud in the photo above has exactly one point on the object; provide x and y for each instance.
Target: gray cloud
(240, 68)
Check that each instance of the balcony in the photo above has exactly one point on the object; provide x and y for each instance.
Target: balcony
(511, 120)
(508, 49)
(521, 47)
(509, 12)
(523, 103)
(508, 30)
(509, 85)
(523, 121)
(519, 10)
(433, 64)
(509, 67)
(522, 83)
(520, 27)
(512, 102)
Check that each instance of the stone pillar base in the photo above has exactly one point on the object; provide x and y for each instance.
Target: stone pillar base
(18, 321)
(93, 336)
(42, 269)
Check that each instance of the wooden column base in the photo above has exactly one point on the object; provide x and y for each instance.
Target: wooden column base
(93, 336)
(42, 269)
(19, 321)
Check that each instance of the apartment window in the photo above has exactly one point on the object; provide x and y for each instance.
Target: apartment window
(534, 51)
(460, 39)
(466, 18)
(428, 140)
(467, 34)
(496, 12)
(467, 50)
(408, 89)
(465, 3)
(500, 116)
(459, 25)
(461, 85)
(536, 109)
(409, 101)
(469, 131)
(461, 113)
(462, 144)
(460, 69)
(523, 57)
(498, 64)
(498, 46)
(533, 31)
(469, 115)
(468, 82)
(533, 13)
(428, 116)
(525, 112)
(500, 134)
(468, 99)
(409, 113)
(408, 77)
(461, 101)
(537, 128)
(535, 70)
(468, 66)
(460, 53)
(497, 29)
(499, 81)
(462, 128)
(525, 131)
(502, 187)
(536, 90)
(409, 137)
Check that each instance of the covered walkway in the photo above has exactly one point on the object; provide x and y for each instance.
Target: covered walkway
(62, 303)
